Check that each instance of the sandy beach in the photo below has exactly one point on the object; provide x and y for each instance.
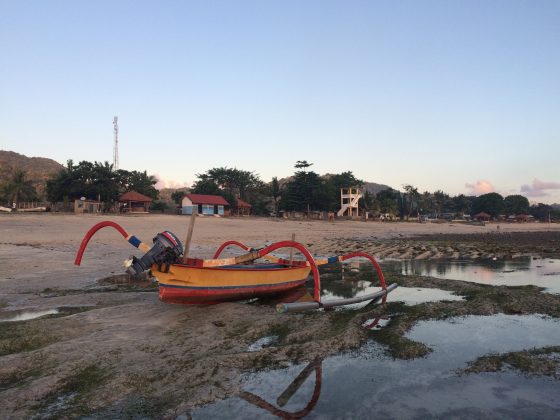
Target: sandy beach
(133, 347)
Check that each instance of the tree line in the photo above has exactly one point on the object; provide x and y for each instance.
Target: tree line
(95, 181)
(308, 191)
(305, 191)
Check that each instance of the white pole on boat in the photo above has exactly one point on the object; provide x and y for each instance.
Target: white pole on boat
(292, 249)
(190, 231)
(306, 306)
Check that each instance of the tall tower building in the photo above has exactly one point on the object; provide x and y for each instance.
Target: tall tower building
(116, 145)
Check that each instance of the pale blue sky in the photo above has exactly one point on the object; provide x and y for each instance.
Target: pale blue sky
(439, 94)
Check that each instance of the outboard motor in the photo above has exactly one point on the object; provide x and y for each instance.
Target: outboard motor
(166, 250)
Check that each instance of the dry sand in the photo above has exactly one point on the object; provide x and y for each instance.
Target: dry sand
(139, 355)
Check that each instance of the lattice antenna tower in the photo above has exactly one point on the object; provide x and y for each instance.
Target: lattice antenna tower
(116, 144)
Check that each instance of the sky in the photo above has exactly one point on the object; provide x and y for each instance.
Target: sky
(459, 96)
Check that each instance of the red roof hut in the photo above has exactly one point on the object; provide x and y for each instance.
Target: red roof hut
(206, 204)
(482, 217)
(241, 208)
(134, 202)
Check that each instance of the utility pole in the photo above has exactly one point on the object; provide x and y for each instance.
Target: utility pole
(116, 144)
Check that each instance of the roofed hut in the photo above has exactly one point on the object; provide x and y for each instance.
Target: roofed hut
(241, 208)
(134, 202)
(482, 217)
(205, 204)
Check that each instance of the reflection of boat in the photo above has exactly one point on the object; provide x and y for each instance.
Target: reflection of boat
(192, 280)
(289, 392)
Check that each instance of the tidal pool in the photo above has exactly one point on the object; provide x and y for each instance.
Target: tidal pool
(369, 384)
(359, 278)
(517, 272)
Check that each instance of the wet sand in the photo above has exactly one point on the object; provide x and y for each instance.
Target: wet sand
(116, 347)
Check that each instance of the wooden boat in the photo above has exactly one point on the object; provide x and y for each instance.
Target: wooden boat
(205, 281)
(184, 283)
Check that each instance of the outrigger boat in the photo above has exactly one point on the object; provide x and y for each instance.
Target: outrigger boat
(205, 281)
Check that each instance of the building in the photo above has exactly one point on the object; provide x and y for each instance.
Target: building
(205, 204)
(482, 217)
(241, 208)
(134, 202)
(87, 206)
(349, 198)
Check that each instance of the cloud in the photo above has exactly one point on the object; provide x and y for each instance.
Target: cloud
(169, 183)
(539, 188)
(481, 187)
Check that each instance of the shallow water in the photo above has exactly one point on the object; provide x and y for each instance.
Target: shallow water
(27, 315)
(517, 272)
(359, 278)
(369, 384)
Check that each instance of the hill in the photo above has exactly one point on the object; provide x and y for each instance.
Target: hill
(37, 169)
(374, 188)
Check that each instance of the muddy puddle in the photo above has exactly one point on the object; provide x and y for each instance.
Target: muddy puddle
(517, 272)
(369, 384)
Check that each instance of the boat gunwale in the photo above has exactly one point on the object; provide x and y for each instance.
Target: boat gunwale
(253, 286)
(241, 268)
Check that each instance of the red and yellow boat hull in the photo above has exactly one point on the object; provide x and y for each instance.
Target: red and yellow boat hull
(203, 285)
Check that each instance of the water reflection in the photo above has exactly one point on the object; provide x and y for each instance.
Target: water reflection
(518, 272)
(350, 280)
(369, 383)
(288, 393)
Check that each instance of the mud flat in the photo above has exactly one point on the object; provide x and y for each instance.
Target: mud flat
(111, 349)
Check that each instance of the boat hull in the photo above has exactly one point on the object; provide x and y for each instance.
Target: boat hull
(205, 285)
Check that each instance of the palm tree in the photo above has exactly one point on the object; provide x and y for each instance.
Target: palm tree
(18, 187)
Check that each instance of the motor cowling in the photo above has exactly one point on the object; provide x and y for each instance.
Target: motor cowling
(167, 249)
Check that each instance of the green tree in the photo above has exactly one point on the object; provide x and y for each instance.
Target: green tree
(516, 204)
(462, 204)
(231, 183)
(303, 192)
(137, 181)
(276, 193)
(98, 181)
(491, 203)
(159, 206)
(368, 201)
(440, 201)
(412, 199)
(86, 179)
(302, 164)
(19, 188)
(235, 182)
(544, 212)
(206, 186)
(333, 185)
(388, 201)
(177, 196)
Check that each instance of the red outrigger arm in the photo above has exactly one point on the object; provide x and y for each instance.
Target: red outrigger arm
(293, 307)
(318, 261)
(133, 240)
(285, 396)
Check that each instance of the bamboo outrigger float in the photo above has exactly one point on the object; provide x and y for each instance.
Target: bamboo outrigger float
(204, 281)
